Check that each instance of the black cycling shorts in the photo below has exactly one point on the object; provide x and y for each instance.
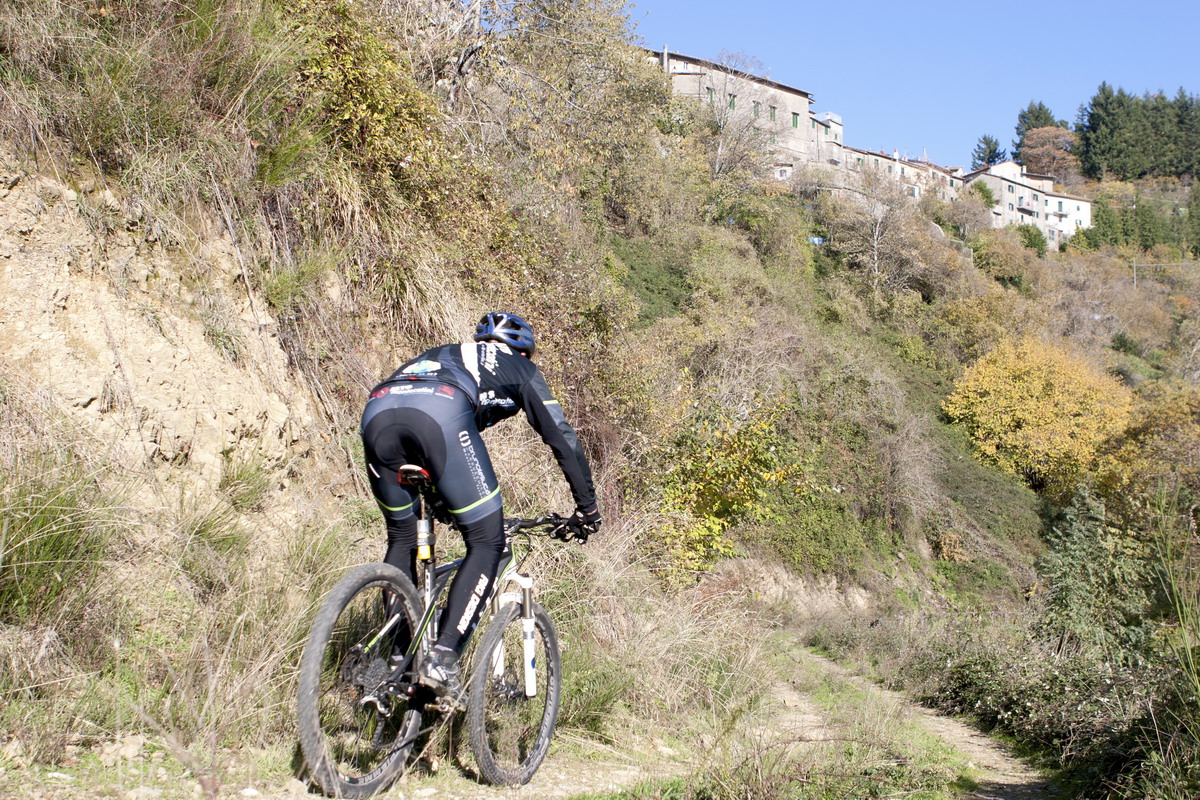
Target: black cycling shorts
(432, 425)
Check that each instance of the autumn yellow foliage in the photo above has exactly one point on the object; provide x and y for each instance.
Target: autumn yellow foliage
(1037, 411)
(1158, 450)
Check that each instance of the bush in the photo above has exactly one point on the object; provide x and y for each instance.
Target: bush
(54, 533)
(1033, 238)
(1038, 412)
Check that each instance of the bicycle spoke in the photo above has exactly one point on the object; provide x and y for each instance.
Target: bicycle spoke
(356, 735)
(513, 722)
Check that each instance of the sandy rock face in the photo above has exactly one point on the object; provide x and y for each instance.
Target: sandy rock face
(157, 372)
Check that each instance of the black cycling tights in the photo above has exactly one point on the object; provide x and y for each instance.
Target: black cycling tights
(468, 593)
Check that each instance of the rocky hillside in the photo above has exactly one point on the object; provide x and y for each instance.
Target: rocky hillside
(159, 369)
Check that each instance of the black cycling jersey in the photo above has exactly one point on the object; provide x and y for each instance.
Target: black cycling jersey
(500, 382)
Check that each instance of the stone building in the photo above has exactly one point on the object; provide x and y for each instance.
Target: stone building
(799, 137)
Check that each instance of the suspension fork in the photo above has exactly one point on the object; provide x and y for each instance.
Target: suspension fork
(528, 630)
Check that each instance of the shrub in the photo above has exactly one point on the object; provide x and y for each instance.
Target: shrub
(725, 466)
(1002, 255)
(1038, 412)
(1033, 238)
(1099, 582)
(54, 532)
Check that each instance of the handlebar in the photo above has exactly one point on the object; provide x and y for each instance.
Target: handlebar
(554, 525)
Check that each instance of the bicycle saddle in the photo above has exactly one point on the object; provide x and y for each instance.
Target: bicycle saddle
(413, 475)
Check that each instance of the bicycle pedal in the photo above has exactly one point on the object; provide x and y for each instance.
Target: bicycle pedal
(446, 705)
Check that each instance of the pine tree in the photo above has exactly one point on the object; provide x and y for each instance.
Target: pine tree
(1151, 227)
(1106, 225)
(1113, 135)
(1164, 135)
(1035, 115)
(1193, 227)
(1188, 108)
(986, 153)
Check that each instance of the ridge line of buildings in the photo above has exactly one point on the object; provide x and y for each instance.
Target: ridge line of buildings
(799, 137)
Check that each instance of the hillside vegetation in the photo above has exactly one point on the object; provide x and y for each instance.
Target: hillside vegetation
(224, 221)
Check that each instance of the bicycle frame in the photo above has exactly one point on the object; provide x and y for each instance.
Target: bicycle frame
(435, 578)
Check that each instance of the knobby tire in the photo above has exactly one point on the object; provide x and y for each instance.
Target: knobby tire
(509, 732)
(352, 750)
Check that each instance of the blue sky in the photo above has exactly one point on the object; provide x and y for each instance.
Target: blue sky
(936, 75)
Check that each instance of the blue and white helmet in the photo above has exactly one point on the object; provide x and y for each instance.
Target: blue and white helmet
(508, 328)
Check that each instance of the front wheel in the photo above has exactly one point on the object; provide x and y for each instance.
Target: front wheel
(512, 701)
(355, 746)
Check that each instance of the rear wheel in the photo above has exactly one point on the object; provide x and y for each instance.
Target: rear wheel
(510, 720)
(356, 747)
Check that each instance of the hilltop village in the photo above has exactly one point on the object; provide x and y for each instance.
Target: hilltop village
(800, 138)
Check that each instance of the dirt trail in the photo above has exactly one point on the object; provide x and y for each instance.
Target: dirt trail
(792, 717)
(1000, 775)
(789, 718)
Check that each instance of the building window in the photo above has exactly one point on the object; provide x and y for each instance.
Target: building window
(1035, 198)
(710, 94)
(1060, 206)
(756, 107)
(859, 160)
(889, 168)
(772, 109)
(795, 120)
(1010, 207)
(835, 136)
(812, 123)
(1010, 188)
(902, 170)
(732, 101)
(912, 191)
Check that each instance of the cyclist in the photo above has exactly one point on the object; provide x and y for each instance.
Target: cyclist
(430, 412)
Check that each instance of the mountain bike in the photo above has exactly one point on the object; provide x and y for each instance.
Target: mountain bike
(360, 706)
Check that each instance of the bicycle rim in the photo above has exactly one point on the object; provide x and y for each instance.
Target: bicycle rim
(352, 749)
(510, 730)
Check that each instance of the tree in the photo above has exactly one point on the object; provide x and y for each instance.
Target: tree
(1106, 225)
(1164, 143)
(1189, 124)
(878, 228)
(971, 212)
(1149, 226)
(1113, 135)
(1033, 238)
(986, 153)
(1049, 151)
(741, 138)
(1193, 221)
(1035, 115)
(1038, 412)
